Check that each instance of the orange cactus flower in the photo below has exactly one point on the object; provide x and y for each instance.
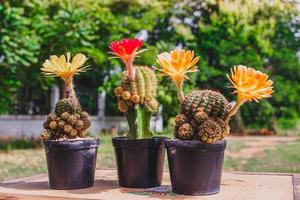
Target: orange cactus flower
(176, 65)
(64, 67)
(127, 50)
(250, 84)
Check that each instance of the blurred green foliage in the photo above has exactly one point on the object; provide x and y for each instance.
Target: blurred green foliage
(263, 35)
(22, 143)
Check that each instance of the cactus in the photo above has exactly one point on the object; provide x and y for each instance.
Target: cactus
(66, 125)
(137, 100)
(203, 114)
(211, 102)
(67, 105)
(137, 91)
(68, 121)
(140, 91)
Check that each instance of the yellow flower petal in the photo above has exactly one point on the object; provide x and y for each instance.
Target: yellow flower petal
(63, 68)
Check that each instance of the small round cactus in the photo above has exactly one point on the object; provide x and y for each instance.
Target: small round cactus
(79, 125)
(64, 105)
(203, 114)
(213, 103)
(51, 117)
(46, 135)
(180, 119)
(61, 124)
(210, 131)
(185, 132)
(72, 119)
(53, 125)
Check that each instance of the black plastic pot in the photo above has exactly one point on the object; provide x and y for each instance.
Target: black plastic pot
(195, 167)
(139, 162)
(71, 163)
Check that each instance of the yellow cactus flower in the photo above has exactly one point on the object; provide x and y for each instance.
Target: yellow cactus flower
(249, 85)
(176, 65)
(64, 67)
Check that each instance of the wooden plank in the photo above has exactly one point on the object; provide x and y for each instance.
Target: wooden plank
(296, 185)
(30, 197)
(237, 186)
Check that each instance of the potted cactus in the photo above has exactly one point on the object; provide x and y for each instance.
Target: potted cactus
(139, 156)
(71, 155)
(196, 155)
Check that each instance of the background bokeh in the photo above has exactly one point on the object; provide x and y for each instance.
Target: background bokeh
(261, 34)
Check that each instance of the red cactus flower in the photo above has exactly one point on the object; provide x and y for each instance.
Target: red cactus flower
(126, 50)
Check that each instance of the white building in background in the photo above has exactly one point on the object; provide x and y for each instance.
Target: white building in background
(32, 125)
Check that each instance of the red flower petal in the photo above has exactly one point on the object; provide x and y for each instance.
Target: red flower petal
(126, 48)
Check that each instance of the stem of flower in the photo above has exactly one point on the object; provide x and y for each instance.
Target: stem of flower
(235, 108)
(130, 68)
(69, 90)
(179, 86)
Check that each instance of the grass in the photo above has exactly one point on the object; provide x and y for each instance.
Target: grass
(235, 145)
(21, 163)
(283, 158)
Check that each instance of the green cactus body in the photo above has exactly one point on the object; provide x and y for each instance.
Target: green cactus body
(137, 100)
(213, 103)
(144, 84)
(204, 113)
(67, 105)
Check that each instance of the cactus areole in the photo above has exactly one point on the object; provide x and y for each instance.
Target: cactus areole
(205, 114)
(137, 90)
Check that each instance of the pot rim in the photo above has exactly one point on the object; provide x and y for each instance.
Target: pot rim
(124, 142)
(72, 144)
(194, 145)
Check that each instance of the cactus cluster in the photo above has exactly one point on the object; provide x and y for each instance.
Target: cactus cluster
(68, 121)
(142, 90)
(203, 117)
(205, 114)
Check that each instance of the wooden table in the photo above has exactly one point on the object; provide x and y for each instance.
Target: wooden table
(237, 186)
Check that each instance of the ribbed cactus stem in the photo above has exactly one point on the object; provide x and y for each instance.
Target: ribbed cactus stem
(136, 99)
(131, 118)
(143, 120)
